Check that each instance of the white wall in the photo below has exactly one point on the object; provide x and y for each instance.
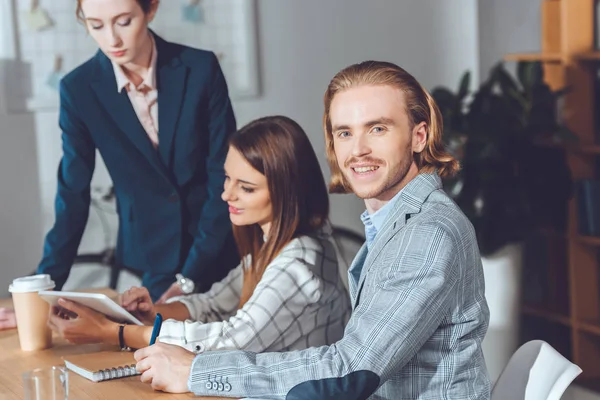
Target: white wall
(20, 223)
(20, 233)
(507, 26)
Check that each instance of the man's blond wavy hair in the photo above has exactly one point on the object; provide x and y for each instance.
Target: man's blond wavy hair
(420, 107)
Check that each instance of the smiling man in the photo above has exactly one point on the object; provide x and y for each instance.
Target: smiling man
(417, 288)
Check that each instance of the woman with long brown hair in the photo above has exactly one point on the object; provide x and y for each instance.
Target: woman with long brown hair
(285, 295)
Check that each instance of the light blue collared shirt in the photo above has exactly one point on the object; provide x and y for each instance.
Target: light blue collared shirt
(374, 222)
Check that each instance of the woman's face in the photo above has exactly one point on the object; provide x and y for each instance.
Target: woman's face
(246, 192)
(119, 27)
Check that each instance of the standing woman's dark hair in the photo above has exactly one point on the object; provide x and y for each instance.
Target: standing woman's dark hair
(146, 6)
(278, 148)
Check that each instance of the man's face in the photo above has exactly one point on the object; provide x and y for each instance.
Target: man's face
(373, 140)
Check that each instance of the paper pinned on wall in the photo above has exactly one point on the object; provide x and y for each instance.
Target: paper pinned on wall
(36, 18)
(191, 11)
(56, 75)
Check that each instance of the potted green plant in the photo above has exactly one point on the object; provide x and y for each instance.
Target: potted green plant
(514, 180)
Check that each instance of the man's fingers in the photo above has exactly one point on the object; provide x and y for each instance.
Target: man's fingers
(158, 384)
(143, 353)
(143, 365)
(147, 376)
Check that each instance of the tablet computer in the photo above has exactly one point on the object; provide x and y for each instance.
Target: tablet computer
(96, 301)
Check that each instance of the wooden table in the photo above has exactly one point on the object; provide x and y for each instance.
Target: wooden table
(13, 362)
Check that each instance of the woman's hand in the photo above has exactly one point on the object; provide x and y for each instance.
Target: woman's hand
(7, 319)
(79, 324)
(138, 302)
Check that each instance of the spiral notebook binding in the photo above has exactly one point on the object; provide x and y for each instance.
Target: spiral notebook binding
(119, 372)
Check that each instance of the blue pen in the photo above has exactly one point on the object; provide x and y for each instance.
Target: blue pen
(156, 329)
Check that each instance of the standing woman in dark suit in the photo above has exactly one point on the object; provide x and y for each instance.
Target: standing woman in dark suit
(159, 114)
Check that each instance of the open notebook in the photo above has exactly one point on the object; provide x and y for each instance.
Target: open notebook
(103, 365)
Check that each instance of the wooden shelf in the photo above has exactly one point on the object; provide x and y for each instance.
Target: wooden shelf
(589, 56)
(584, 148)
(590, 240)
(551, 233)
(590, 327)
(552, 57)
(547, 315)
(544, 57)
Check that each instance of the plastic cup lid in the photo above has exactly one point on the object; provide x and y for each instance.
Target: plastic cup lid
(33, 283)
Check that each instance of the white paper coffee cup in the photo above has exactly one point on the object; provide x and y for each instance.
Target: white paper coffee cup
(34, 283)
(32, 311)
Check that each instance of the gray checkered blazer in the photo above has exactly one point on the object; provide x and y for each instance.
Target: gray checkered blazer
(419, 316)
(299, 302)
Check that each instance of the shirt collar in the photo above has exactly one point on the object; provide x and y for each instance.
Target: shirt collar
(149, 79)
(374, 222)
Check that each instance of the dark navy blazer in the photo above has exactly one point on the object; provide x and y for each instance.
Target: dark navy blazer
(171, 215)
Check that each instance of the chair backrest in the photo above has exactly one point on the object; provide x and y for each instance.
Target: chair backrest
(536, 371)
(346, 243)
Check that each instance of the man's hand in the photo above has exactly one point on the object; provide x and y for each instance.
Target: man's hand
(174, 290)
(138, 302)
(8, 319)
(165, 367)
(80, 324)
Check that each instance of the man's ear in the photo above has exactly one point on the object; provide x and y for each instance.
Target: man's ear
(419, 137)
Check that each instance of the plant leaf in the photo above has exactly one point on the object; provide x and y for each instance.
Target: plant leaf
(463, 88)
(530, 73)
(561, 92)
(504, 79)
(565, 134)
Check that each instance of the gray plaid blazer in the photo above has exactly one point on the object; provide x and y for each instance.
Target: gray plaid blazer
(419, 316)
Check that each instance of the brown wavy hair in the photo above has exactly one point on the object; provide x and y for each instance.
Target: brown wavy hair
(146, 6)
(420, 107)
(278, 148)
